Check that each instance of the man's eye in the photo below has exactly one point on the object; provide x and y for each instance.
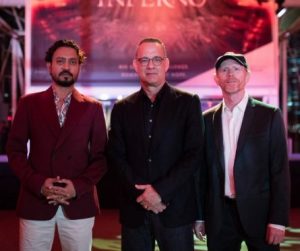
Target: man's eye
(144, 60)
(73, 62)
(59, 61)
(157, 59)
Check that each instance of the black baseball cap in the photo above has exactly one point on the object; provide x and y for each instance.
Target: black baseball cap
(240, 58)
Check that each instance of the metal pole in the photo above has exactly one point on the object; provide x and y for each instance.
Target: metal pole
(284, 105)
(14, 55)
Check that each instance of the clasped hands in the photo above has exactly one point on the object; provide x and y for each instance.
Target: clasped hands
(150, 199)
(58, 191)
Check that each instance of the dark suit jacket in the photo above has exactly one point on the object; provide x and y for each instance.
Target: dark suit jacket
(261, 170)
(75, 151)
(175, 155)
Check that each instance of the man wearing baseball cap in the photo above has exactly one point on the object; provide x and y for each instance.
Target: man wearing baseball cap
(248, 188)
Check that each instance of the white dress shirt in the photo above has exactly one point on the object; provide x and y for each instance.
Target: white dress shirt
(231, 126)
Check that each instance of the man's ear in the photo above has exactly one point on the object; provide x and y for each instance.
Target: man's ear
(48, 66)
(216, 78)
(248, 76)
(134, 64)
(167, 64)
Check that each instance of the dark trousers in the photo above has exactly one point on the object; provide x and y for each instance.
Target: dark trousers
(143, 237)
(232, 234)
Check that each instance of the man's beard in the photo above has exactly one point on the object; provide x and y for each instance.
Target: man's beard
(66, 81)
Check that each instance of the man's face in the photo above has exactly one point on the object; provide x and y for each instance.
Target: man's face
(65, 67)
(151, 72)
(231, 77)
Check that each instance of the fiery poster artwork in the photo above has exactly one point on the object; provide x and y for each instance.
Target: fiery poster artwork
(195, 32)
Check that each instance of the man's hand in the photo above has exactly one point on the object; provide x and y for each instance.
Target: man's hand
(58, 191)
(199, 230)
(150, 199)
(274, 235)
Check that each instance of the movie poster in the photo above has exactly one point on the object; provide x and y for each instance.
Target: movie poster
(195, 32)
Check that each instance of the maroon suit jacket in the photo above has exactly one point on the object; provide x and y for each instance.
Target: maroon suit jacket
(76, 151)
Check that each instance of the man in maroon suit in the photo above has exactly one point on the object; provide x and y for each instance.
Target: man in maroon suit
(67, 139)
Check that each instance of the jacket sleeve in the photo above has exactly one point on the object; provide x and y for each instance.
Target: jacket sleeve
(279, 173)
(17, 152)
(189, 163)
(117, 152)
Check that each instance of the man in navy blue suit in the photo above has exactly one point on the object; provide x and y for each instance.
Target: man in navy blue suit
(248, 188)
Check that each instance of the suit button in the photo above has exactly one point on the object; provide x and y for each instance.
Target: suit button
(149, 160)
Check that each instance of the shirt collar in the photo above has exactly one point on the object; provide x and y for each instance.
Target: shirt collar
(56, 98)
(241, 106)
(159, 94)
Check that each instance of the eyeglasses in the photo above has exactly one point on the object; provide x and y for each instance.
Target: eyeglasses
(144, 61)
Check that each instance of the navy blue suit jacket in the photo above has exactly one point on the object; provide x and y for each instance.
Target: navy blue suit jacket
(261, 169)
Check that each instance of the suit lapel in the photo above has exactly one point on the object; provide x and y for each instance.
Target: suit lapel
(246, 124)
(75, 112)
(137, 119)
(48, 111)
(218, 135)
(164, 117)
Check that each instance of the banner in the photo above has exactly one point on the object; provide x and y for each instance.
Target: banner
(195, 32)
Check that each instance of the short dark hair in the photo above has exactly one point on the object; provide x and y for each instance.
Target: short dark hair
(65, 43)
(152, 40)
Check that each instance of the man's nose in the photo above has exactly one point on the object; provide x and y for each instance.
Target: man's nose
(230, 72)
(66, 65)
(150, 63)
